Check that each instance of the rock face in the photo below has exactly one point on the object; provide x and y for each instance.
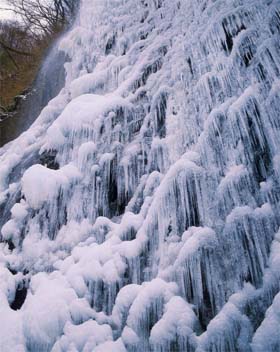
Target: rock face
(49, 81)
(140, 212)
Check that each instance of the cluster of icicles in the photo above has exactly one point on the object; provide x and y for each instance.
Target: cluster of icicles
(140, 212)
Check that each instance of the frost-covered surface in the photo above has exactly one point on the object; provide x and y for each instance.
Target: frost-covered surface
(140, 212)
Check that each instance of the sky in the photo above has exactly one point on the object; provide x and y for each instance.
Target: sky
(5, 14)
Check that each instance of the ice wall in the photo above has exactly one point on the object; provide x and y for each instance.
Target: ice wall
(140, 212)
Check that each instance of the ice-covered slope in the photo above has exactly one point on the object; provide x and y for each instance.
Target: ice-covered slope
(140, 212)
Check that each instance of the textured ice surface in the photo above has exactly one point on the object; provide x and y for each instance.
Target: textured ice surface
(140, 211)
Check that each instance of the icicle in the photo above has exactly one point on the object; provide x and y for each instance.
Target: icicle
(139, 211)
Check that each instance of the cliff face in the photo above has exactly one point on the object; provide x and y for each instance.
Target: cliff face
(140, 212)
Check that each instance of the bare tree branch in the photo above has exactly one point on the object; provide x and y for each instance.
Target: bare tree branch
(44, 16)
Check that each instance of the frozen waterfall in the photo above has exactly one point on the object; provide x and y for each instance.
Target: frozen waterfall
(141, 210)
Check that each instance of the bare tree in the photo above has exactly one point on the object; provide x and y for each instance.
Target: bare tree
(23, 43)
(18, 60)
(44, 16)
(15, 40)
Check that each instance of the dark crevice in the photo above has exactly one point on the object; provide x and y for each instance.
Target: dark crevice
(48, 159)
(20, 297)
(190, 64)
(11, 245)
(161, 116)
(111, 42)
(229, 35)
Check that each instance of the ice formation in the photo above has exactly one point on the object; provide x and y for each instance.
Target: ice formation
(140, 211)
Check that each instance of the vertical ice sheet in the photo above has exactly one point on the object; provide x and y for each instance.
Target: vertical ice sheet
(139, 211)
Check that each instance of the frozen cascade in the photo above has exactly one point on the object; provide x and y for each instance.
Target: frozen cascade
(140, 211)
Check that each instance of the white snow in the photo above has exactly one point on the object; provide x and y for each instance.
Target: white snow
(141, 209)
